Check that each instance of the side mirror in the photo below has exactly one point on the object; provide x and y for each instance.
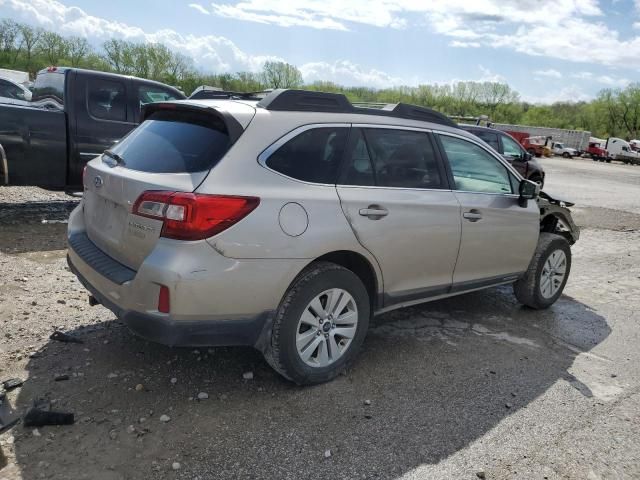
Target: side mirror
(528, 191)
(527, 156)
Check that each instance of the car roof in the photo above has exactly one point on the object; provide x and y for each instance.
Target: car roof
(247, 108)
(466, 126)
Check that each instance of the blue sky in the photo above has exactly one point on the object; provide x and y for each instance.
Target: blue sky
(545, 49)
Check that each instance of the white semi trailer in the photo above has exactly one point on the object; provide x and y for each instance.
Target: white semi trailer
(578, 139)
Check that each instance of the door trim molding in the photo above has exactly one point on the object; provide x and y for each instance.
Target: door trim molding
(405, 298)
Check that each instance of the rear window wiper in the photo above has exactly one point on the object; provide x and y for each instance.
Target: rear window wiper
(119, 160)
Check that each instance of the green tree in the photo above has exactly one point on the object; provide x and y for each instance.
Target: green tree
(281, 75)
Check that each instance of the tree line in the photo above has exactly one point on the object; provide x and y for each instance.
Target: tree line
(614, 112)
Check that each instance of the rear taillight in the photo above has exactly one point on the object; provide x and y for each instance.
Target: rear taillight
(192, 216)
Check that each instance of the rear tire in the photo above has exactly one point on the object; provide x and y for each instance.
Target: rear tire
(286, 349)
(542, 284)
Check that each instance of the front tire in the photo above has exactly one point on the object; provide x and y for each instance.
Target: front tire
(547, 274)
(320, 324)
(566, 155)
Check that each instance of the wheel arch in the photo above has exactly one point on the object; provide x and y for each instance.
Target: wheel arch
(549, 224)
(362, 267)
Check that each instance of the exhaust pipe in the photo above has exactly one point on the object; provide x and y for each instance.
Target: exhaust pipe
(93, 301)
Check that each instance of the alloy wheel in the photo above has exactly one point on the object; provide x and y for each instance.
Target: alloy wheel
(553, 273)
(327, 327)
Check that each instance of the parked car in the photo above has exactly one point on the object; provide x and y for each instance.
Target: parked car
(16, 76)
(286, 223)
(13, 93)
(512, 151)
(560, 149)
(74, 116)
(621, 150)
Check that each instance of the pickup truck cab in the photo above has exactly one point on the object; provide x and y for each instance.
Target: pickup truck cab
(560, 149)
(597, 153)
(73, 117)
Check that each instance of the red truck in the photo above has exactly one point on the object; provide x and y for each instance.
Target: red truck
(534, 145)
(596, 151)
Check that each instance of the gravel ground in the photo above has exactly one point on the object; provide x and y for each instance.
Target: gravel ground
(466, 388)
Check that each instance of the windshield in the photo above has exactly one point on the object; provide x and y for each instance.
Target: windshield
(174, 142)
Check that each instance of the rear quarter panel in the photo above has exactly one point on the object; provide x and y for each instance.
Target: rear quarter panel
(260, 235)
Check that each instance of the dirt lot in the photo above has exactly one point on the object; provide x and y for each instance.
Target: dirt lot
(471, 387)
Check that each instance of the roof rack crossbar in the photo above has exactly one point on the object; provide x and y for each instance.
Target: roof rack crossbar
(310, 101)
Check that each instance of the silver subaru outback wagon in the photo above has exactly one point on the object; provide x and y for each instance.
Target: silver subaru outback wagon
(286, 223)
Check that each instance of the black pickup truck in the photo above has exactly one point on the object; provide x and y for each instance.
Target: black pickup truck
(74, 115)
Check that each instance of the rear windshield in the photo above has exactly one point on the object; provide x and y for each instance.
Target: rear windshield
(49, 85)
(175, 142)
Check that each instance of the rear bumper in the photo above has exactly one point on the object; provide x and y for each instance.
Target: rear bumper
(250, 331)
(215, 300)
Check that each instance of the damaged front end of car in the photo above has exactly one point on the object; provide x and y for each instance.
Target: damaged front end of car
(555, 217)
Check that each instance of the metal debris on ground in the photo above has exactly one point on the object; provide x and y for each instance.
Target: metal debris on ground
(12, 383)
(41, 414)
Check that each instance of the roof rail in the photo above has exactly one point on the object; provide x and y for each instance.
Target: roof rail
(206, 92)
(309, 101)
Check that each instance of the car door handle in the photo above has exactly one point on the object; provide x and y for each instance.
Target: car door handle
(472, 215)
(374, 212)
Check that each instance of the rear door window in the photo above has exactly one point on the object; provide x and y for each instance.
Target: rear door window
(392, 158)
(175, 141)
(107, 100)
(312, 156)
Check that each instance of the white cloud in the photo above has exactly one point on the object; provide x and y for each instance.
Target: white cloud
(636, 25)
(574, 31)
(572, 93)
(347, 73)
(338, 14)
(210, 53)
(199, 8)
(489, 76)
(551, 73)
(583, 75)
(459, 44)
(613, 82)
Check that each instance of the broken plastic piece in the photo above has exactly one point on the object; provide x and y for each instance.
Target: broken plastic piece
(64, 337)
(12, 383)
(39, 418)
(7, 420)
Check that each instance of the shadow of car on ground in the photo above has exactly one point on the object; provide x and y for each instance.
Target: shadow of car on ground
(437, 376)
